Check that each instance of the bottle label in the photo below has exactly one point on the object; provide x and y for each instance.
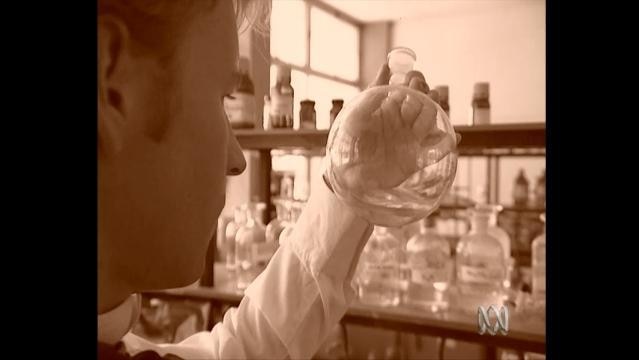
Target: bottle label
(282, 105)
(480, 275)
(381, 273)
(428, 275)
(480, 116)
(428, 267)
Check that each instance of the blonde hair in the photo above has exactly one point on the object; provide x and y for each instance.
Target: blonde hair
(157, 24)
(253, 14)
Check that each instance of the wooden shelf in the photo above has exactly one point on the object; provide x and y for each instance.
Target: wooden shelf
(281, 138)
(475, 139)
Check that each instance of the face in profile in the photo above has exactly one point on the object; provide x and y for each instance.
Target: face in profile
(165, 148)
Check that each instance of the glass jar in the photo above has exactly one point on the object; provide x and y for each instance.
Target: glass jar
(379, 277)
(430, 264)
(307, 114)
(480, 266)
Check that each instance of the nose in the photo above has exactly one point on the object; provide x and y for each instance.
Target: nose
(236, 164)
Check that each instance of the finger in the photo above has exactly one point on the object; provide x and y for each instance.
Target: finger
(382, 77)
(411, 81)
(457, 138)
(434, 95)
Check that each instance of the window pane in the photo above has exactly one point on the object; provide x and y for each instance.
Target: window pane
(288, 31)
(334, 45)
(323, 91)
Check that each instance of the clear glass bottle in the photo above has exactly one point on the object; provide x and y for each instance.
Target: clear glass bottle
(430, 263)
(379, 272)
(392, 151)
(247, 240)
(539, 263)
(480, 266)
(500, 234)
(282, 97)
(239, 219)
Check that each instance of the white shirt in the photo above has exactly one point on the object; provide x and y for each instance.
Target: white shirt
(290, 308)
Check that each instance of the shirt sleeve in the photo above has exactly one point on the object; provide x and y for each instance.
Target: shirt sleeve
(291, 307)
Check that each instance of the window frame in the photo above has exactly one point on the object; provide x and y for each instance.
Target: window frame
(306, 69)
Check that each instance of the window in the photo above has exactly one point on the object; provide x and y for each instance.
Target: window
(288, 35)
(337, 55)
(324, 66)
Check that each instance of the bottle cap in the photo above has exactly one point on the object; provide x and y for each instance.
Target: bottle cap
(400, 61)
(481, 90)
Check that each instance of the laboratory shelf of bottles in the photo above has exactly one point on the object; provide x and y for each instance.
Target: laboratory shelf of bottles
(498, 139)
(526, 328)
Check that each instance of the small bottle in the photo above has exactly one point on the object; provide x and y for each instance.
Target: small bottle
(400, 61)
(379, 275)
(539, 263)
(287, 187)
(307, 114)
(266, 113)
(430, 264)
(247, 240)
(480, 106)
(520, 191)
(540, 190)
(501, 235)
(240, 106)
(239, 218)
(337, 107)
(480, 266)
(442, 91)
(282, 97)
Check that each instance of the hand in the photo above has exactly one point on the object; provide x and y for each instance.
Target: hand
(390, 136)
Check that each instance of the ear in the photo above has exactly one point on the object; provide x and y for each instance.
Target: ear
(113, 63)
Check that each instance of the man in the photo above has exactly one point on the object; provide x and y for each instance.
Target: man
(164, 150)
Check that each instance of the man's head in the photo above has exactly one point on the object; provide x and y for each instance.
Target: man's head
(164, 143)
